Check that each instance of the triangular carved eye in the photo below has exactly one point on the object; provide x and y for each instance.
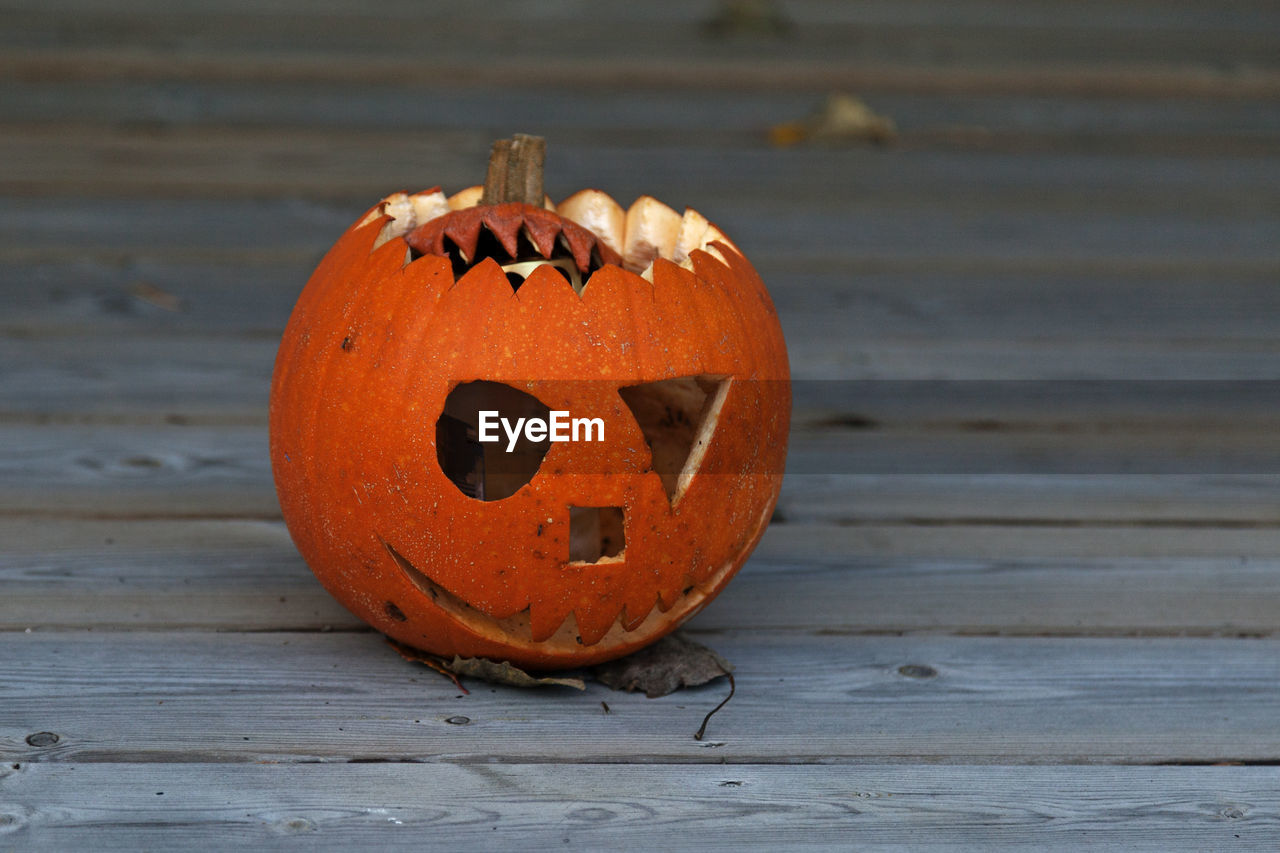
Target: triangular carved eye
(678, 417)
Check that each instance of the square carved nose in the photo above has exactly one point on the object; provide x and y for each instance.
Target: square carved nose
(596, 533)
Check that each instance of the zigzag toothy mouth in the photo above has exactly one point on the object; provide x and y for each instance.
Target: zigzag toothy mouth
(518, 626)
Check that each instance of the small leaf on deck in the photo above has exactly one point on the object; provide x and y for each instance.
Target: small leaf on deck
(483, 669)
(673, 662)
(840, 120)
(505, 673)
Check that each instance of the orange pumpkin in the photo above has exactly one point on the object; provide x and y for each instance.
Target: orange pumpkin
(649, 326)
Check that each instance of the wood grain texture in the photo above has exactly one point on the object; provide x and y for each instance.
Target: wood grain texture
(126, 470)
(801, 698)
(76, 159)
(1023, 584)
(1101, 123)
(544, 807)
(246, 576)
(1132, 47)
(195, 375)
(854, 303)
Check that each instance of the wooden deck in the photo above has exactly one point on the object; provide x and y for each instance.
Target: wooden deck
(1023, 587)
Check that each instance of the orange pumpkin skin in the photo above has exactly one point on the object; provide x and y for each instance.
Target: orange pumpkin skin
(374, 346)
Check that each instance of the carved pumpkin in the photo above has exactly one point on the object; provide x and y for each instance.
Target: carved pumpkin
(430, 310)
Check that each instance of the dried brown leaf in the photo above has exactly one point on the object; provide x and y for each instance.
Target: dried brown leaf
(483, 669)
(413, 655)
(673, 662)
(841, 119)
(505, 673)
(145, 291)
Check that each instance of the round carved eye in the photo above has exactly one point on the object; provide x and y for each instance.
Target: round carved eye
(490, 470)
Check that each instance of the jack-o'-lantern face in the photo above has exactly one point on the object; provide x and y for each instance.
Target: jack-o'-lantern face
(547, 436)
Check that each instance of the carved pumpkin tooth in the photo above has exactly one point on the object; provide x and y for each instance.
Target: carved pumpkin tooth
(376, 212)
(693, 225)
(547, 620)
(713, 235)
(386, 235)
(428, 205)
(652, 228)
(630, 622)
(599, 214)
(581, 242)
(714, 251)
(469, 197)
(504, 222)
(637, 609)
(464, 233)
(427, 239)
(400, 209)
(542, 231)
(407, 212)
(594, 622)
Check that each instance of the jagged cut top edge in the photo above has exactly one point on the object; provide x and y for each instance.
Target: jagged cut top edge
(638, 235)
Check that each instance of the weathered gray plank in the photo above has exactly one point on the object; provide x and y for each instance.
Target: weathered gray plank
(846, 306)
(1045, 359)
(796, 72)
(197, 470)
(882, 381)
(1144, 48)
(984, 451)
(801, 698)
(361, 165)
(1061, 388)
(670, 31)
(1099, 123)
(127, 470)
(1139, 15)
(55, 550)
(1110, 541)
(121, 471)
(57, 806)
(240, 575)
(670, 40)
(1167, 501)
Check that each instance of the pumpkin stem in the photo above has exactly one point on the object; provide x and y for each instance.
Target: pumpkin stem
(515, 171)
